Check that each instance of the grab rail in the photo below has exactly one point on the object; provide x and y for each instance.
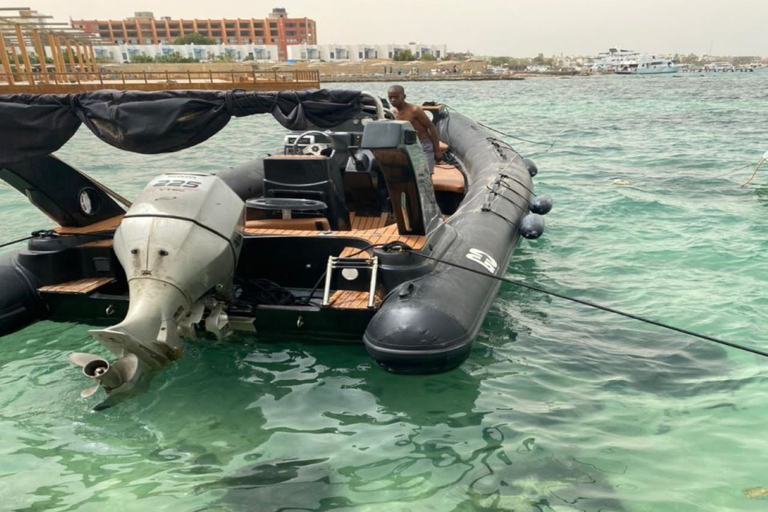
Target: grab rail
(377, 102)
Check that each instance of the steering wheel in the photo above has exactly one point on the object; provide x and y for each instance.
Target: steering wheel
(314, 148)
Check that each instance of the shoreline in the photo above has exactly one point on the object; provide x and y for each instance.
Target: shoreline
(439, 78)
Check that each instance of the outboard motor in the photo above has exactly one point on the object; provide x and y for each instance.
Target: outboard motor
(179, 244)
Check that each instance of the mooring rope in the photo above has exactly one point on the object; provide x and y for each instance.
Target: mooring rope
(51, 233)
(404, 247)
(550, 144)
(757, 168)
(6, 244)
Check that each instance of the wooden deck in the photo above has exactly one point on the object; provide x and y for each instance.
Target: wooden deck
(350, 299)
(78, 287)
(107, 225)
(372, 229)
(354, 252)
(105, 242)
(375, 235)
(363, 223)
(139, 80)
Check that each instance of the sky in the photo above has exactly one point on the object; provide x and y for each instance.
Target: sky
(521, 28)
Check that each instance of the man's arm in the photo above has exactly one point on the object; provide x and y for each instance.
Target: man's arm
(431, 131)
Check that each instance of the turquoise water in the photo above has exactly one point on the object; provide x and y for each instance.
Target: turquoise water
(558, 408)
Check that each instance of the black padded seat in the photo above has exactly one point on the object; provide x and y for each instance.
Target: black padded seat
(308, 177)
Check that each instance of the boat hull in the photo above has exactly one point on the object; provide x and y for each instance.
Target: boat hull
(431, 300)
(20, 304)
(429, 324)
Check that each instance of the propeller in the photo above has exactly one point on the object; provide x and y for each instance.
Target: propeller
(110, 377)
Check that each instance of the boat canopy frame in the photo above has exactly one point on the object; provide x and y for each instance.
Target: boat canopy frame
(32, 125)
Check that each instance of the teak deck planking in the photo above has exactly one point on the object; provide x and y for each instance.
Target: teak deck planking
(108, 225)
(351, 299)
(79, 286)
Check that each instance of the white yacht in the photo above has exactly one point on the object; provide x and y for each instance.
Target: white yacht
(613, 59)
(647, 66)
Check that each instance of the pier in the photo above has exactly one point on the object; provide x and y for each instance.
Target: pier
(54, 82)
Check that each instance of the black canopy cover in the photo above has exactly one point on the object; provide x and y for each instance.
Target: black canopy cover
(34, 125)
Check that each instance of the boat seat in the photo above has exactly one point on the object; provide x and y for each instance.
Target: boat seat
(304, 224)
(362, 192)
(448, 178)
(308, 177)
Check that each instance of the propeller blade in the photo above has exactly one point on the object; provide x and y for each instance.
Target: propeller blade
(127, 366)
(81, 359)
(89, 391)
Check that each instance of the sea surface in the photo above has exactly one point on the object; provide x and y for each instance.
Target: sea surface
(559, 407)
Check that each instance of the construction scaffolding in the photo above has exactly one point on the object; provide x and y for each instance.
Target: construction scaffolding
(46, 57)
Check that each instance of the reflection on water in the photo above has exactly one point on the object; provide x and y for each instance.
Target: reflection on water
(558, 408)
(398, 441)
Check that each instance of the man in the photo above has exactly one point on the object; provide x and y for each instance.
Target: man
(405, 111)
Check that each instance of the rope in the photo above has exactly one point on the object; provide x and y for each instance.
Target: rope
(733, 171)
(404, 247)
(759, 165)
(15, 241)
(51, 233)
(550, 144)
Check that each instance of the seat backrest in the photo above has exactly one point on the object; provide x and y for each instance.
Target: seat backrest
(404, 168)
(364, 187)
(308, 177)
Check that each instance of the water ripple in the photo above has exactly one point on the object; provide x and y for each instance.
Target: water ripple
(558, 408)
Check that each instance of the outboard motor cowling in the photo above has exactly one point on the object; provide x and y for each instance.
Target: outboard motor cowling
(178, 243)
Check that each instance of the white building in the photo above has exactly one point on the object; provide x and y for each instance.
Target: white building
(359, 52)
(237, 52)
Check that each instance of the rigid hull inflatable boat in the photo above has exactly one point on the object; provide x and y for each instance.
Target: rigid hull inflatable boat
(343, 234)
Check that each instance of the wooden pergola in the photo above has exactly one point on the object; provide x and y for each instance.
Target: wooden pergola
(22, 28)
(74, 67)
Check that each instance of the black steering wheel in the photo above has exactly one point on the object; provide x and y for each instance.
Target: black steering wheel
(315, 148)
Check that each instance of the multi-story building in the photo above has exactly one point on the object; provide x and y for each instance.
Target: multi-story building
(358, 52)
(126, 53)
(143, 29)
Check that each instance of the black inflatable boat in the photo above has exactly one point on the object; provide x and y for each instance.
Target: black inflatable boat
(343, 234)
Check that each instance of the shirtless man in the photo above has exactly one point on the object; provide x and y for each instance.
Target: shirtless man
(405, 111)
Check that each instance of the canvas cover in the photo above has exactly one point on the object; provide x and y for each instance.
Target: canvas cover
(33, 125)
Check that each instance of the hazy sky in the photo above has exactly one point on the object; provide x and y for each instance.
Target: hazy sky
(485, 27)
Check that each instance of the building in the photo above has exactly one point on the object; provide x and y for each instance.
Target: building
(122, 53)
(143, 29)
(359, 52)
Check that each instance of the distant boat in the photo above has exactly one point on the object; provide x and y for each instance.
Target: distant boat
(612, 59)
(719, 66)
(648, 67)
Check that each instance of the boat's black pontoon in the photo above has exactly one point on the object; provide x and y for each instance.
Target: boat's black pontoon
(324, 239)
